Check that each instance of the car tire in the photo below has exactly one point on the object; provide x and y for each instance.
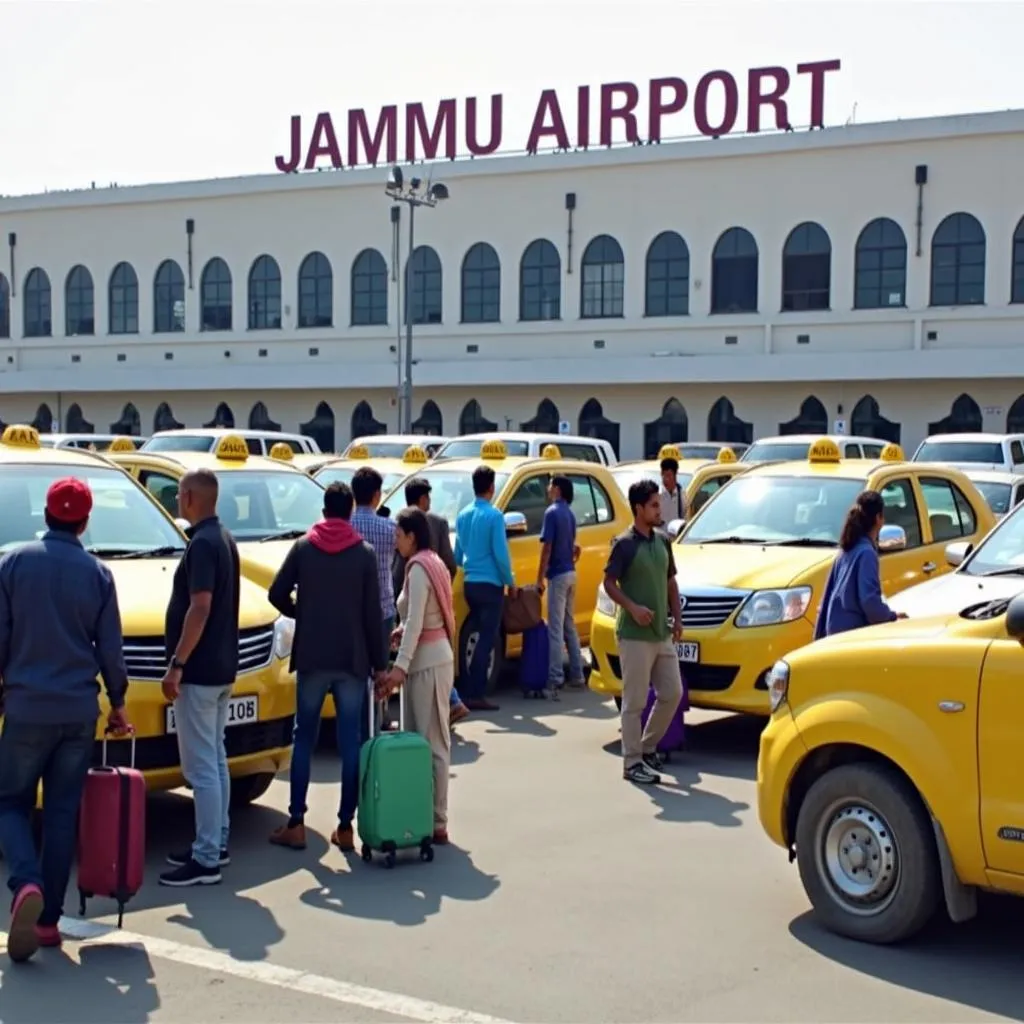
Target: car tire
(248, 789)
(866, 853)
(467, 639)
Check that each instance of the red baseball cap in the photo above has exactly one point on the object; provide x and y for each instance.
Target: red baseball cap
(69, 500)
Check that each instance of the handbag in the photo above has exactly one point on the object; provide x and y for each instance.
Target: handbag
(521, 612)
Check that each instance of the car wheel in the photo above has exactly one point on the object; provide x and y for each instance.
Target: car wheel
(866, 852)
(248, 789)
(468, 643)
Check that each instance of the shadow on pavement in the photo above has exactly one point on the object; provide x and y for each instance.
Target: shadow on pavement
(977, 964)
(464, 751)
(406, 895)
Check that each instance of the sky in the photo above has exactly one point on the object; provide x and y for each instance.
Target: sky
(153, 91)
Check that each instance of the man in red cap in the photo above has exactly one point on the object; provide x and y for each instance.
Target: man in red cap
(59, 628)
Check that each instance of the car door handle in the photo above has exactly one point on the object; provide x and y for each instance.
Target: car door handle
(929, 567)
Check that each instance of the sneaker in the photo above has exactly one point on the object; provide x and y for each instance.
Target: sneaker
(343, 839)
(179, 860)
(294, 838)
(48, 935)
(640, 774)
(192, 873)
(22, 939)
(655, 761)
(457, 714)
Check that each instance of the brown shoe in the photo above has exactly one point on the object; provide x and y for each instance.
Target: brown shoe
(343, 839)
(441, 837)
(457, 714)
(294, 838)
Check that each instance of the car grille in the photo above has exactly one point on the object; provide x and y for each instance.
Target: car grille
(708, 611)
(146, 656)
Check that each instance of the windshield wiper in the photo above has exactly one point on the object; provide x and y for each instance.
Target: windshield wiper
(283, 535)
(1010, 570)
(801, 542)
(733, 540)
(164, 552)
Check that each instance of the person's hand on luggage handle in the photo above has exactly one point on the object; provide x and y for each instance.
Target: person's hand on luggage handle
(393, 679)
(513, 592)
(118, 724)
(171, 683)
(641, 615)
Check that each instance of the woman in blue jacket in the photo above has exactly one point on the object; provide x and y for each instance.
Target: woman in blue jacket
(853, 593)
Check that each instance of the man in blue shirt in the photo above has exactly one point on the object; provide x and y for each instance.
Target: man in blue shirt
(59, 628)
(557, 572)
(481, 549)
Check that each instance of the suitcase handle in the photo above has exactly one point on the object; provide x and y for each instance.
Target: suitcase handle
(107, 733)
(376, 709)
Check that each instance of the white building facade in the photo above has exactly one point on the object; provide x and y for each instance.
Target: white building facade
(869, 277)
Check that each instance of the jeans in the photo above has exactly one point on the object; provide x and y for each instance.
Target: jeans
(486, 601)
(454, 700)
(60, 756)
(201, 715)
(351, 695)
(562, 630)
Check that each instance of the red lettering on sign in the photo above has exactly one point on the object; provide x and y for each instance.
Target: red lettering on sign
(323, 142)
(817, 70)
(658, 106)
(472, 139)
(622, 111)
(416, 125)
(583, 116)
(757, 98)
(547, 106)
(295, 135)
(700, 103)
(385, 137)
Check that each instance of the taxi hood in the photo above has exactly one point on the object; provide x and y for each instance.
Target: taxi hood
(260, 560)
(950, 594)
(748, 566)
(903, 631)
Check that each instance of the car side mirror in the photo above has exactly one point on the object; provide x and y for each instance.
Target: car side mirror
(892, 538)
(515, 523)
(1015, 619)
(957, 552)
(182, 524)
(675, 527)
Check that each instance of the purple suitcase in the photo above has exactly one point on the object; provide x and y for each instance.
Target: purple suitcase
(533, 663)
(675, 735)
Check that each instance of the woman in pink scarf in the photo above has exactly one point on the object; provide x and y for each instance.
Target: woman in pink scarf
(425, 665)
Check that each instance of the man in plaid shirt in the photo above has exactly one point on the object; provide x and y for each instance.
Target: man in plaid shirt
(379, 533)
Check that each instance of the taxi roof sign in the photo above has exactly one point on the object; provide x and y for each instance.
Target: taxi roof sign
(18, 435)
(416, 455)
(892, 453)
(726, 455)
(121, 444)
(493, 450)
(358, 451)
(824, 450)
(282, 451)
(232, 447)
(669, 451)
(551, 451)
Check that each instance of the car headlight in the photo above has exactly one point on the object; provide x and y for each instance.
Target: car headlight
(778, 684)
(605, 605)
(771, 607)
(284, 633)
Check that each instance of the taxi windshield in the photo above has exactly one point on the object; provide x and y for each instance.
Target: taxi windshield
(179, 443)
(996, 494)
(1001, 553)
(124, 522)
(776, 510)
(776, 451)
(468, 448)
(264, 504)
(451, 490)
(343, 474)
(626, 476)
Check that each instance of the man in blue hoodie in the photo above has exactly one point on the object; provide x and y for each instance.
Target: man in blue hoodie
(338, 644)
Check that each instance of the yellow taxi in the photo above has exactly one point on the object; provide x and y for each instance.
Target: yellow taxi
(520, 492)
(752, 565)
(141, 544)
(699, 478)
(265, 502)
(392, 470)
(890, 768)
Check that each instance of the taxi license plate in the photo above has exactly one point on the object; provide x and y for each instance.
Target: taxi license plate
(241, 711)
(688, 652)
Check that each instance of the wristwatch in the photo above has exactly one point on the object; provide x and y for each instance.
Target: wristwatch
(176, 662)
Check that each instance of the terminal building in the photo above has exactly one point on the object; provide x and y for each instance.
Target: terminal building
(866, 279)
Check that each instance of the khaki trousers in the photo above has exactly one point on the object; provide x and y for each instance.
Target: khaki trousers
(427, 696)
(645, 664)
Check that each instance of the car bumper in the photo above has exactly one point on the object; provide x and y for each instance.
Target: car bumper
(779, 755)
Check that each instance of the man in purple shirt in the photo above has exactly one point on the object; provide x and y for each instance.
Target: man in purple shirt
(557, 573)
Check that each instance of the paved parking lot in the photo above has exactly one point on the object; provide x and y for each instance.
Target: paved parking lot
(568, 896)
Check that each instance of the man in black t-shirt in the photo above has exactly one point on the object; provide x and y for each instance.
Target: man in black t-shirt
(201, 631)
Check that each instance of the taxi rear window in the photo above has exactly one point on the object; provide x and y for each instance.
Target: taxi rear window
(470, 449)
(179, 443)
(781, 451)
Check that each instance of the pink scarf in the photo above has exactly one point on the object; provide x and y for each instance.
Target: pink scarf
(441, 582)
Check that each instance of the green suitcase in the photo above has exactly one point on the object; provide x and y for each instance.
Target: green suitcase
(396, 791)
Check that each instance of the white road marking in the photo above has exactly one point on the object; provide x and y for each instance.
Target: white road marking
(93, 933)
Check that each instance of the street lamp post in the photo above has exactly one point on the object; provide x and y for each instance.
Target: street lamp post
(413, 194)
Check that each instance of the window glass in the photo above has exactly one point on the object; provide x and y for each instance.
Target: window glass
(872, 451)
(179, 443)
(1017, 453)
(851, 451)
(470, 448)
(583, 505)
(985, 452)
(996, 495)
(316, 291)
(901, 509)
(531, 499)
(256, 504)
(163, 487)
(450, 492)
(776, 451)
(481, 285)
(540, 282)
(880, 274)
(584, 452)
(705, 492)
(602, 502)
(255, 445)
(369, 289)
(1001, 550)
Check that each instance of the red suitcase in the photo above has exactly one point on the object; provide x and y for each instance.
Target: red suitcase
(112, 834)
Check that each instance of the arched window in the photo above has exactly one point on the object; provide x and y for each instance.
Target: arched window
(223, 417)
(604, 276)
(806, 268)
(671, 427)
(124, 300)
(76, 423)
(259, 418)
(668, 276)
(430, 423)
(321, 427)
(964, 418)
(594, 423)
(79, 303)
(958, 262)
(880, 266)
(36, 302)
(546, 420)
(316, 292)
(481, 285)
(813, 419)
(424, 297)
(1015, 417)
(473, 421)
(44, 420)
(168, 299)
(264, 294)
(5, 308)
(867, 421)
(1017, 257)
(215, 292)
(725, 427)
(163, 419)
(363, 424)
(369, 289)
(540, 282)
(734, 273)
(130, 422)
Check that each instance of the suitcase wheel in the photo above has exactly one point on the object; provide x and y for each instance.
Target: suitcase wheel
(366, 853)
(426, 851)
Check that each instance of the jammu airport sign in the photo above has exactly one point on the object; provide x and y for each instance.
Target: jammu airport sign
(623, 112)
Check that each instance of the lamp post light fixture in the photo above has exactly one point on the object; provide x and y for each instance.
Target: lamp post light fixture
(414, 194)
